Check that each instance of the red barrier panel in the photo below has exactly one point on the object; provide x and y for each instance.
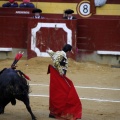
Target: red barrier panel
(13, 32)
(50, 33)
(99, 34)
(19, 12)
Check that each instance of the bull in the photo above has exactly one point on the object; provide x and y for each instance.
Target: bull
(13, 85)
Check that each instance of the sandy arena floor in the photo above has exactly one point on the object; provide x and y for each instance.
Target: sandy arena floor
(98, 87)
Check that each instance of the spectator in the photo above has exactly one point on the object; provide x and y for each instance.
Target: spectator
(68, 14)
(37, 13)
(26, 4)
(11, 3)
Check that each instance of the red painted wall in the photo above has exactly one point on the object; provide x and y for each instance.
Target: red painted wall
(98, 34)
(13, 32)
(113, 1)
(16, 12)
(94, 33)
(53, 38)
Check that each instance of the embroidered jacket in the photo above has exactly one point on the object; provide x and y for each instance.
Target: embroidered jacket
(60, 61)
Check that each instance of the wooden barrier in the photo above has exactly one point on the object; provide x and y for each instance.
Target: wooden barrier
(50, 33)
(13, 32)
(99, 34)
(19, 12)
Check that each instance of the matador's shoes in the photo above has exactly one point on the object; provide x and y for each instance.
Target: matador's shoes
(51, 116)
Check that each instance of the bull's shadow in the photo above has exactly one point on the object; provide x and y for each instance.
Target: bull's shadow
(13, 85)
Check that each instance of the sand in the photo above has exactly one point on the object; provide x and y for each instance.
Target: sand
(98, 87)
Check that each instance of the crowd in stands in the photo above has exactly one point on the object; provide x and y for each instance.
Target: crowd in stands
(68, 14)
(24, 4)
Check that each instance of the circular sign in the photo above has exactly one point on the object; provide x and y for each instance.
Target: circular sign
(83, 9)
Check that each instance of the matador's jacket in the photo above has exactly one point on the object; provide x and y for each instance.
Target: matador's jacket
(60, 61)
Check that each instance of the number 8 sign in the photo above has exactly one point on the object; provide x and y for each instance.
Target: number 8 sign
(83, 9)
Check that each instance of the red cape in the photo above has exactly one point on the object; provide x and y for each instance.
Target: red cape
(64, 101)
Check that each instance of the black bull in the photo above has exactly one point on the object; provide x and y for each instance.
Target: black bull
(13, 86)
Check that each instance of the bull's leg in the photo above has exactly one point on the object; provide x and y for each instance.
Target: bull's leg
(3, 103)
(26, 101)
(1, 109)
(13, 101)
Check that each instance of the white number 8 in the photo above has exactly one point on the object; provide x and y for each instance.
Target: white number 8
(85, 9)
